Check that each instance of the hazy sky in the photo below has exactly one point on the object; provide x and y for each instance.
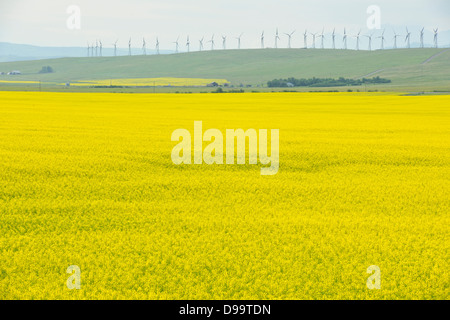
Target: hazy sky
(43, 22)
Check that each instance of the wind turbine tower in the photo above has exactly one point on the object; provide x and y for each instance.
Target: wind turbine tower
(436, 37)
(224, 42)
(322, 38)
(144, 49)
(395, 39)
(344, 39)
(129, 47)
(201, 44)
(277, 37)
(333, 36)
(357, 39)
(212, 42)
(314, 40)
(262, 40)
(408, 38)
(382, 39)
(115, 48)
(305, 39)
(370, 41)
(290, 37)
(421, 37)
(157, 45)
(188, 44)
(176, 45)
(101, 47)
(239, 40)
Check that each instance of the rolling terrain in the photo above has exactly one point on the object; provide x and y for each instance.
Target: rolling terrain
(409, 69)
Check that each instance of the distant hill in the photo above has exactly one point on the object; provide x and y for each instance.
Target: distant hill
(416, 68)
(10, 52)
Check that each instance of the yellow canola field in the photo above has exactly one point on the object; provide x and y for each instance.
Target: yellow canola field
(18, 81)
(150, 82)
(88, 180)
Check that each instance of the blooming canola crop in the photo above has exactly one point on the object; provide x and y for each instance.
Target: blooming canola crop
(87, 180)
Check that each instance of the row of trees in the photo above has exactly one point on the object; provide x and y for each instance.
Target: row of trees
(323, 82)
(46, 69)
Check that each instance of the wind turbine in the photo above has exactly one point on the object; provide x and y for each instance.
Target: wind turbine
(314, 40)
(129, 47)
(382, 39)
(408, 38)
(322, 38)
(370, 41)
(436, 37)
(305, 39)
(176, 45)
(92, 49)
(395, 39)
(157, 45)
(344, 39)
(262, 40)
(224, 42)
(101, 47)
(144, 49)
(201, 44)
(212, 42)
(88, 49)
(333, 36)
(277, 37)
(96, 48)
(357, 39)
(188, 44)
(115, 48)
(421, 38)
(290, 36)
(239, 40)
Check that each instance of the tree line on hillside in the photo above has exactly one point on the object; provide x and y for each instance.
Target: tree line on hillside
(46, 69)
(324, 82)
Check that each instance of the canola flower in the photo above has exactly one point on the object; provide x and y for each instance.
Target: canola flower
(87, 180)
(18, 81)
